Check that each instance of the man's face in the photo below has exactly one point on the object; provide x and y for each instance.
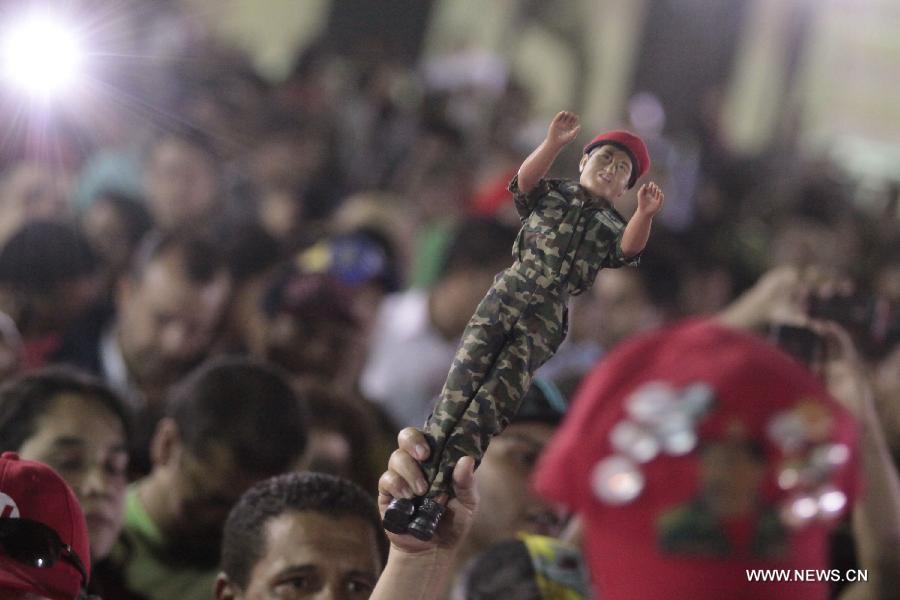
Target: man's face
(312, 555)
(180, 180)
(507, 502)
(168, 321)
(202, 492)
(805, 243)
(31, 192)
(107, 233)
(308, 346)
(288, 162)
(85, 443)
(605, 172)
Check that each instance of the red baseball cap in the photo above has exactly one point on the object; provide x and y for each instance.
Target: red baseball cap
(32, 490)
(631, 144)
(695, 453)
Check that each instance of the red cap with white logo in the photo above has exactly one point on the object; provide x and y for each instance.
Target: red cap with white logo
(32, 490)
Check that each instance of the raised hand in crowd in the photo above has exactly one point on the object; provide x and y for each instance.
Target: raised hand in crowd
(778, 296)
(416, 568)
(876, 516)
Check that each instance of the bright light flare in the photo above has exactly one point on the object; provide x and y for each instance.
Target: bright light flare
(41, 56)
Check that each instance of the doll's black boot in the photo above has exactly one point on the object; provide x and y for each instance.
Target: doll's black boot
(398, 515)
(426, 519)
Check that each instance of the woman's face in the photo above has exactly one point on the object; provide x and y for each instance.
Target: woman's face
(85, 443)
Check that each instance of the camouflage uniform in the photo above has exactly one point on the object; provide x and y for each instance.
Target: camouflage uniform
(566, 238)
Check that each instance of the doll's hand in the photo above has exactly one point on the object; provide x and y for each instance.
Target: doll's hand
(404, 479)
(650, 199)
(563, 129)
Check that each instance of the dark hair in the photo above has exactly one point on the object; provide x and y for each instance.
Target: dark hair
(281, 125)
(309, 296)
(504, 570)
(479, 243)
(888, 255)
(664, 264)
(186, 134)
(354, 419)
(250, 250)
(244, 541)
(542, 403)
(25, 398)
(199, 253)
(246, 405)
(44, 254)
(130, 210)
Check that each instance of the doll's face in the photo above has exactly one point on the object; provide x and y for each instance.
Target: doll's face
(605, 172)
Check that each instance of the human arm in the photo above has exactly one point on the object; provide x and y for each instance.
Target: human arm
(637, 232)
(416, 568)
(562, 130)
(778, 296)
(876, 514)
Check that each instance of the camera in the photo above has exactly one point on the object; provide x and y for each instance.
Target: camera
(873, 322)
(800, 342)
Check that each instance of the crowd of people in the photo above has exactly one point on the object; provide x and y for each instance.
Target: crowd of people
(226, 308)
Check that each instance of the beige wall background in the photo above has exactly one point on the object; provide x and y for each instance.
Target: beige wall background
(847, 86)
(541, 59)
(271, 31)
(850, 85)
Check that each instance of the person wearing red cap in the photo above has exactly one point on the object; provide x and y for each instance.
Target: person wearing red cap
(43, 534)
(569, 232)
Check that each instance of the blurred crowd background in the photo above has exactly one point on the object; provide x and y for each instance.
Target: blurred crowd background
(321, 186)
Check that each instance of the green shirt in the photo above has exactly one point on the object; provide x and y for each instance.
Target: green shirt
(429, 254)
(143, 544)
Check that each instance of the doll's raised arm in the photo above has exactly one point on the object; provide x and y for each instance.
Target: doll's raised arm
(637, 232)
(563, 129)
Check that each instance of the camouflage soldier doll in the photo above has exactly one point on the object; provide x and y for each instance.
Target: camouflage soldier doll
(570, 231)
